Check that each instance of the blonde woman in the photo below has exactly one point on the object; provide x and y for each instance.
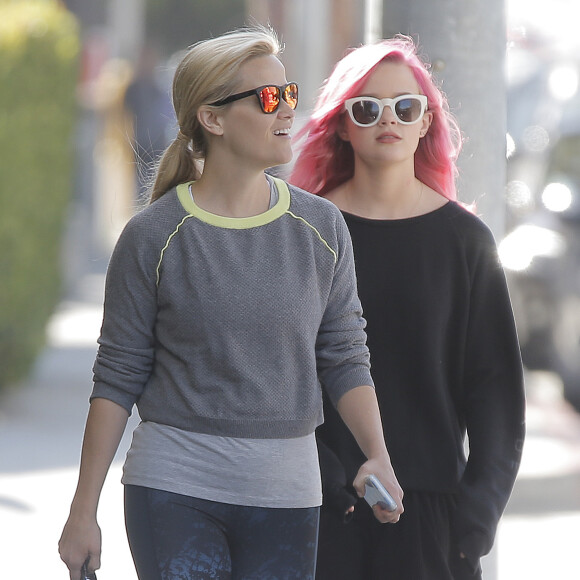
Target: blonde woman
(227, 300)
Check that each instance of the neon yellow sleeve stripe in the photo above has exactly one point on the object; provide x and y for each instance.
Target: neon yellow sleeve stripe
(166, 246)
(317, 233)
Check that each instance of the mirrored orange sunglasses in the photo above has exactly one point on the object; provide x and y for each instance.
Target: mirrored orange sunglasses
(269, 96)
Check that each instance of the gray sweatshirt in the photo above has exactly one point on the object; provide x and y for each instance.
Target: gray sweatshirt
(225, 326)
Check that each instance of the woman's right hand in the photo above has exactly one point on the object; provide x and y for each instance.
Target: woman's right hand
(80, 542)
(81, 536)
(383, 470)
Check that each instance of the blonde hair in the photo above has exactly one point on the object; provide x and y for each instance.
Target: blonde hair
(208, 72)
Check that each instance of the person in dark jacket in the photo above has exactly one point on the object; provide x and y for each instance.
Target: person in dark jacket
(381, 144)
(148, 106)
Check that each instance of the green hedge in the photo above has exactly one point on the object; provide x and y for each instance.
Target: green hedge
(39, 49)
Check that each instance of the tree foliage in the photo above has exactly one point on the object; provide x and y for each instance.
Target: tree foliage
(39, 50)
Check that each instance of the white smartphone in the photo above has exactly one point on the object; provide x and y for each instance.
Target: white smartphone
(375, 493)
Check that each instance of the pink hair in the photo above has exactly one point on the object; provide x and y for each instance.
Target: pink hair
(326, 161)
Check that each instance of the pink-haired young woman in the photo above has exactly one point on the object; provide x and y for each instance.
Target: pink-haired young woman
(382, 145)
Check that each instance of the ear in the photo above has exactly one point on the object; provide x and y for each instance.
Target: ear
(426, 123)
(341, 129)
(210, 120)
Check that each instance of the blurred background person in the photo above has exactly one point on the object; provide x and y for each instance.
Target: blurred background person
(148, 104)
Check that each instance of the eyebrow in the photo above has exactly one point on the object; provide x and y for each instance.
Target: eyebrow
(375, 96)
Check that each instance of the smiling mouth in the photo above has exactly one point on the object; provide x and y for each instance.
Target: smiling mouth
(282, 132)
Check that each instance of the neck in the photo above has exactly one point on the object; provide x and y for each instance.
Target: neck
(232, 191)
(387, 193)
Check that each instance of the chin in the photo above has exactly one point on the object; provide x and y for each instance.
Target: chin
(285, 158)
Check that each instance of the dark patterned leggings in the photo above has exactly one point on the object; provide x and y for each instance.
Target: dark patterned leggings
(176, 537)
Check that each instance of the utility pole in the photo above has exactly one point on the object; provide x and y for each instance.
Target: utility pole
(126, 22)
(373, 20)
(315, 34)
(466, 42)
(303, 27)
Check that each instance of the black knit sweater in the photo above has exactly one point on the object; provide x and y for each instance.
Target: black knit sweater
(445, 360)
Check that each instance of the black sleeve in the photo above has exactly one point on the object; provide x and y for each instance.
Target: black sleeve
(336, 496)
(493, 406)
(340, 459)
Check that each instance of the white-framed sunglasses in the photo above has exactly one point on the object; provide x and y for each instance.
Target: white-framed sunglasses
(367, 111)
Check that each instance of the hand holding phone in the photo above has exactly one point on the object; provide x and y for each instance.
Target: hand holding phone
(375, 493)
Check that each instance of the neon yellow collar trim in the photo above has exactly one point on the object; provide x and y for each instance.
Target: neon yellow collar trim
(280, 208)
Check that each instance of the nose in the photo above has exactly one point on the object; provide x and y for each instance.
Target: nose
(285, 111)
(388, 116)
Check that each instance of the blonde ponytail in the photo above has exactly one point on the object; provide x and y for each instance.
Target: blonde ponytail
(177, 165)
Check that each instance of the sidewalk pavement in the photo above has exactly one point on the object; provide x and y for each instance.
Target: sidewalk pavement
(41, 426)
(41, 429)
